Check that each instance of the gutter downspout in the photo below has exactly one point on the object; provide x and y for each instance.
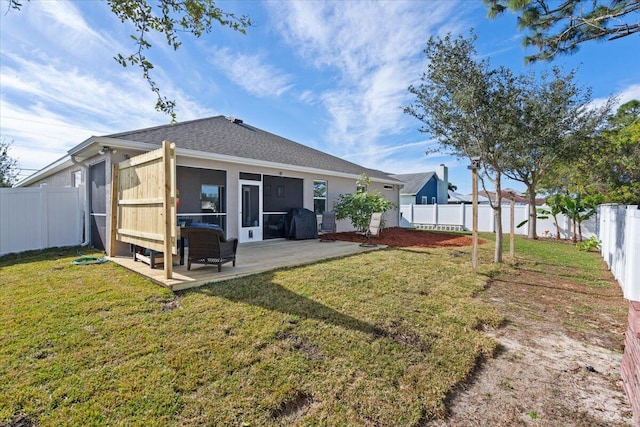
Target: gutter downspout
(87, 214)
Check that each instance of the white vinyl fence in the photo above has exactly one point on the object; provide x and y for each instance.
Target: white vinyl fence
(39, 217)
(620, 248)
(617, 227)
(460, 216)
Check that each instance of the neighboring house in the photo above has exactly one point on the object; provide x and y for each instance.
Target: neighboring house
(483, 197)
(507, 195)
(458, 198)
(228, 173)
(424, 188)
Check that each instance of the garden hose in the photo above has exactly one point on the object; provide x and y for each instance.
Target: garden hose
(89, 260)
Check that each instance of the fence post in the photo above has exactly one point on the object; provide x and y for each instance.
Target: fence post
(602, 236)
(613, 234)
(632, 250)
(435, 214)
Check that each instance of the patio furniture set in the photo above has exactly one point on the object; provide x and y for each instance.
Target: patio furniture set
(208, 245)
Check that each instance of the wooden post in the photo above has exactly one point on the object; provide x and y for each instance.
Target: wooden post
(474, 183)
(114, 209)
(167, 209)
(512, 231)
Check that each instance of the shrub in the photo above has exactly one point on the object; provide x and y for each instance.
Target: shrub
(589, 244)
(358, 207)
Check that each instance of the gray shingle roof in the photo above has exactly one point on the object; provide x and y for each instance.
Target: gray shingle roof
(220, 135)
(413, 182)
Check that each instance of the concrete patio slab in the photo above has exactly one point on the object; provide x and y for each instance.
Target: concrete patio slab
(251, 258)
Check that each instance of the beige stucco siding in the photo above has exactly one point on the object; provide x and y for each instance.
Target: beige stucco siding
(336, 185)
(63, 178)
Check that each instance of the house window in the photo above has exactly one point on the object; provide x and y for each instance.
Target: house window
(76, 178)
(388, 187)
(425, 200)
(319, 196)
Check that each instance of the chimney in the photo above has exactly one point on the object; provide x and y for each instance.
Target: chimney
(443, 184)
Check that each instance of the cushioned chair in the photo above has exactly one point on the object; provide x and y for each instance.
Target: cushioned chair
(327, 226)
(208, 246)
(374, 229)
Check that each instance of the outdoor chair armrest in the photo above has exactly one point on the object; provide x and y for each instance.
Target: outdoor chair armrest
(228, 248)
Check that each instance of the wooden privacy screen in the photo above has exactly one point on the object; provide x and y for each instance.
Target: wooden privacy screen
(144, 188)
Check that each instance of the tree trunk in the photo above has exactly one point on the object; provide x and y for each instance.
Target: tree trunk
(533, 215)
(555, 219)
(497, 257)
(580, 230)
(574, 238)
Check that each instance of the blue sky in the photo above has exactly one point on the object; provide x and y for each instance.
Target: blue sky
(332, 75)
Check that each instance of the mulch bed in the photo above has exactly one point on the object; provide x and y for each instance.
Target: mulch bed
(397, 237)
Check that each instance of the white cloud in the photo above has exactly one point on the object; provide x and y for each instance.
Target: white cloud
(374, 50)
(40, 136)
(384, 150)
(60, 84)
(623, 96)
(67, 106)
(252, 73)
(629, 93)
(307, 97)
(56, 26)
(64, 17)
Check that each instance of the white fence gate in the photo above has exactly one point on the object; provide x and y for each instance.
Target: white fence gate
(39, 218)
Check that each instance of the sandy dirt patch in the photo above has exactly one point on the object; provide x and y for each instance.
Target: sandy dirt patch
(560, 348)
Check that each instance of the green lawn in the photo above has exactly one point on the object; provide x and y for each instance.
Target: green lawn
(379, 338)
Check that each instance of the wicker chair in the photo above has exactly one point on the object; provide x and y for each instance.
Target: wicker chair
(208, 246)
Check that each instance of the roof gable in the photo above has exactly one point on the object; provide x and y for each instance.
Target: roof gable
(229, 137)
(413, 182)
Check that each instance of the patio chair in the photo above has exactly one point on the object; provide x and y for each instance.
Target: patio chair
(373, 230)
(327, 226)
(208, 246)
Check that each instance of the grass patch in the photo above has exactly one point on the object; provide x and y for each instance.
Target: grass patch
(552, 281)
(563, 260)
(379, 338)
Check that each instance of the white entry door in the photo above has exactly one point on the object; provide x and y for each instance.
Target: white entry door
(250, 222)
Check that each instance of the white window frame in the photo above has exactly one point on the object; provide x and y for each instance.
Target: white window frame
(76, 178)
(326, 194)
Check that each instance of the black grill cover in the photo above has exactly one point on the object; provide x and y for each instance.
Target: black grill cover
(303, 224)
